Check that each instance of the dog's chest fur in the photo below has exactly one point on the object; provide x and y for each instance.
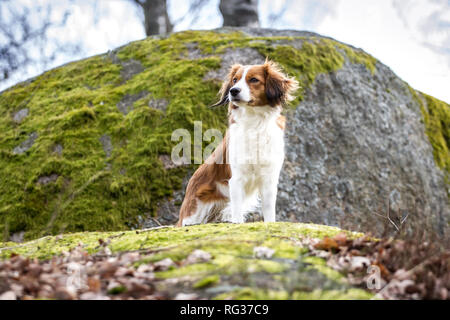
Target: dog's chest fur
(256, 146)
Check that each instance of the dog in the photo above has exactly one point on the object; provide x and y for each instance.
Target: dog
(243, 171)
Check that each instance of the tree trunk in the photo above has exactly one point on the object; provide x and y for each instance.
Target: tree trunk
(239, 13)
(156, 17)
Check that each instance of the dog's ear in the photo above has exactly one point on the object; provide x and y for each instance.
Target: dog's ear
(279, 87)
(228, 83)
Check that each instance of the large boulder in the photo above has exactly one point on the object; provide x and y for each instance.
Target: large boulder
(93, 150)
(357, 150)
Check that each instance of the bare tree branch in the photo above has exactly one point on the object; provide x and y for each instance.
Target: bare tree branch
(239, 13)
(156, 18)
(24, 37)
(194, 12)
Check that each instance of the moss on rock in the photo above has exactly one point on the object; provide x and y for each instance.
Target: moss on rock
(258, 294)
(436, 116)
(233, 269)
(207, 282)
(437, 122)
(72, 107)
(177, 243)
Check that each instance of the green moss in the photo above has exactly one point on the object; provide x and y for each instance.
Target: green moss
(253, 294)
(73, 106)
(437, 122)
(177, 243)
(232, 263)
(7, 244)
(350, 294)
(358, 56)
(436, 115)
(283, 249)
(319, 265)
(207, 282)
(258, 294)
(316, 55)
(117, 290)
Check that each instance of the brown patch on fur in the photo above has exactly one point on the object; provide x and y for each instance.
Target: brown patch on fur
(281, 122)
(228, 83)
(268, 84)
(272, 87)
(203, 184)
(279, 87)
(256, 80)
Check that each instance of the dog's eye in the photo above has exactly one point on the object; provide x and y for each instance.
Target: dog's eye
(254, 80)
(234, 80)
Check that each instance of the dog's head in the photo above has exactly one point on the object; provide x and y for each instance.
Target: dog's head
(257, 86)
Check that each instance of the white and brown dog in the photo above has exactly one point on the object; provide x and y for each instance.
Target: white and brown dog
(244, 169)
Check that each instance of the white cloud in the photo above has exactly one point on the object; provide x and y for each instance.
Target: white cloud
(428, 22)
(376, 27)
(296, 14)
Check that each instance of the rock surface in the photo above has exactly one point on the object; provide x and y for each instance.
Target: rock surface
(26, 145)
(20, 115)
(362, 150)
(356, 143)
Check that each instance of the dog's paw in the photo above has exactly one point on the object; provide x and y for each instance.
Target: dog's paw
(233, 220)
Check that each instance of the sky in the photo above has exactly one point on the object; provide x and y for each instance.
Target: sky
(412, 37)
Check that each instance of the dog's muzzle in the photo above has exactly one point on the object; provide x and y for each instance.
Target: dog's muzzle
(234, 93)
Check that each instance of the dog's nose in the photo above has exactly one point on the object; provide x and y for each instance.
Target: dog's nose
(235, 91)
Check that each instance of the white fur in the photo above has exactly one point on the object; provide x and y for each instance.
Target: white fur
(204, 212)
(256, 155)
(244, 95)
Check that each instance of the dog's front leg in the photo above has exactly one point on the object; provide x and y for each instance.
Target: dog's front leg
(269, 198)
(236, 200)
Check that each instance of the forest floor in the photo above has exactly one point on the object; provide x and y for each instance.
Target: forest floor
(223, 261)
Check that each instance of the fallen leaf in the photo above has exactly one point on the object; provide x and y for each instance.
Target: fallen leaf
(327, 244)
